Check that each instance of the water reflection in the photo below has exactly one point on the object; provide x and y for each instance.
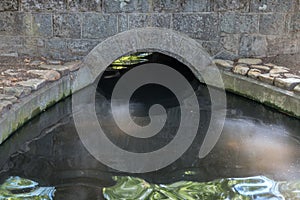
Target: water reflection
(16, 188)
(258, 187)
(256, 140)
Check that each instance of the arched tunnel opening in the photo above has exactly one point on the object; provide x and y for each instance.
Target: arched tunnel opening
(148, 92)
(146, 96)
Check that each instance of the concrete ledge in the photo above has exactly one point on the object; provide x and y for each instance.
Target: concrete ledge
(30, 106)
(34, 104)
(283, 100)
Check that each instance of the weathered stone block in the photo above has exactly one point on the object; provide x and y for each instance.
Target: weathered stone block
(272, 5)
(199, 26)
(139, 20)
(201, 6)
(250, 61)
(122, 22)
(295, 22)
(161, 20)
(287, 83)
(48, 75)
(297, 89)
(241, 69)
(79, 5)
(81, 47)
(34, 84)
(35, 42)
(99, 26)
(282, 45)
(7, 42)
(9, 5)
(224, 64)
(227, 22)
(261, 67)
(266, 78)
(272, 24)
(230, 42)
(231, 22)
(110, 6)
(149, 20)
(171, 5)
(212, 47)
(253, 45)
(56, 44)
(67, 25)
(247, 23)
(254, 73)
(43, 5)
(13, 23)
(42, 25)
(226, 55)
(227, 5)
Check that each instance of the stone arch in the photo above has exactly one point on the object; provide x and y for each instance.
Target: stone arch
(166, 41)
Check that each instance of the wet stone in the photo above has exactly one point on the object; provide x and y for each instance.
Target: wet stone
(18, 92)
(241, 69)
(250, 61)
(261, 67)
(267, 78)
(48, 75)
(226, 64)
(254, 73)
(34, 84)
(287, 83)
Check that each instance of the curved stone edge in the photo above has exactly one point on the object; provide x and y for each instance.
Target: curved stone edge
(280, 99)
(30, 106)
(34, 104)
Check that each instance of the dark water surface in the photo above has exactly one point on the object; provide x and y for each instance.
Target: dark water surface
(257, 156)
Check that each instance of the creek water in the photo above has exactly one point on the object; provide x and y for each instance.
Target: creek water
(256, 142)
(256, 157)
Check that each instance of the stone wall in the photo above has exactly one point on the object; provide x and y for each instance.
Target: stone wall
(69, 29)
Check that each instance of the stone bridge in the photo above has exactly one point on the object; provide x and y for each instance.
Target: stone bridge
(70, 29)
(98, 32)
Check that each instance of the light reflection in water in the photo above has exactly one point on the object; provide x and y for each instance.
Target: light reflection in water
(16, 188)
(257, 187)
(256, 140)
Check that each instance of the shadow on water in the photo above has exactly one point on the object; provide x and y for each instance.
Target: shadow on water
(257, 142)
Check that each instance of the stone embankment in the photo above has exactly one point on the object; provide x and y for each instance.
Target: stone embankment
(279, 76)
(27, 90)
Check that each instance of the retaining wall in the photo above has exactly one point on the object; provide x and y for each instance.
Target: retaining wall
(69, 29)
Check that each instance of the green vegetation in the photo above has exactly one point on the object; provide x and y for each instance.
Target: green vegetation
(258, 187)
(16, 188)
(130, 60)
